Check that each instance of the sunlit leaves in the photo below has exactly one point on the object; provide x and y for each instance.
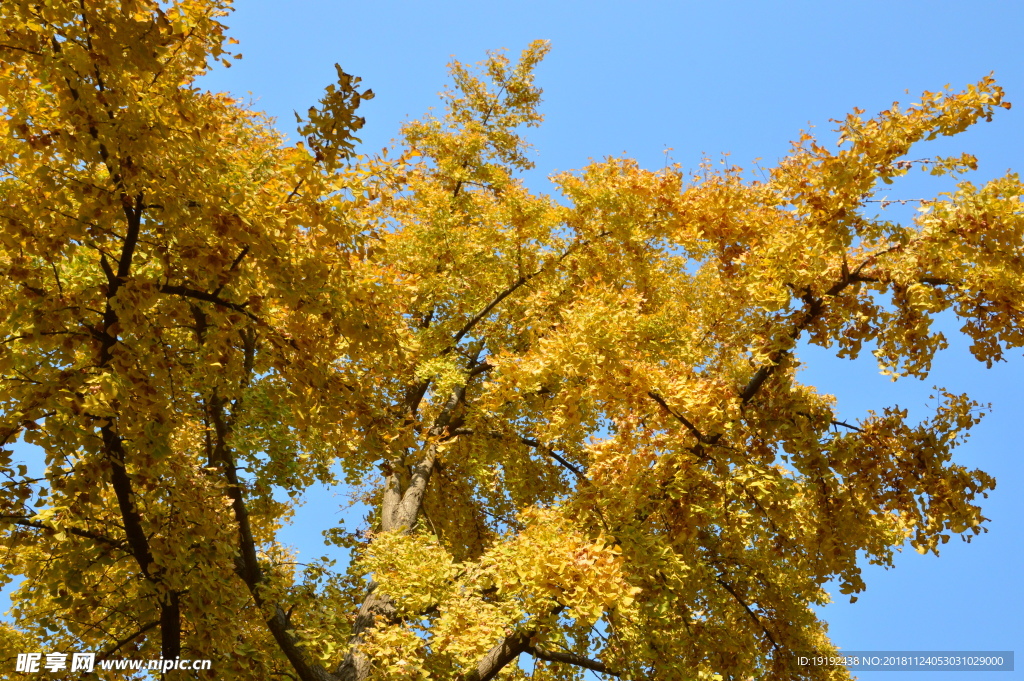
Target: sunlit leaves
(578, 419)
(329, 129)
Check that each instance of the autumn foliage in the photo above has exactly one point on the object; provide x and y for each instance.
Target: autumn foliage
(577, 419)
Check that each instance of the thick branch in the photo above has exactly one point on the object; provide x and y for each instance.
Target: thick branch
(679, 417)
(113, 447)
(170, 626)
(208, 297)
(570, 658)
(508, 649)
(138, 542)
(500, 655)
(544, 449)
(126, 640)
(414, 396)
(416, 393)
(247, 565)
(84, 534)
(130, 517)
(20, 49)
(306, 669)
(480, 368)
(509, 291)
(529, 442)
(133, 216)
(356, 666)
(725, 585)
(398, 514)
(815, 306)
(487, 309)
(404, 516)
(234, 265)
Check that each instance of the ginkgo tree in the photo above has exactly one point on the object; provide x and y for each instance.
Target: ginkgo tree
(576, 419)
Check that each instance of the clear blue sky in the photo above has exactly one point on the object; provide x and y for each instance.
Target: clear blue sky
(637, 78)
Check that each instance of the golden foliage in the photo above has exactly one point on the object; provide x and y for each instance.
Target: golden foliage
(578, 419)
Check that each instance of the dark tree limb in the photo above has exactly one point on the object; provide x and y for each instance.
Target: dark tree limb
(20, 49)
(195, 294)
(113, 446)
(480, 368)
(170, 626)
(847, 425)
(247, 564)
(570, 658)
(487, 309)
(126, 640)
(757, 620)
(679, 417)
(133, 215)
(138, 543)
(548, 451)
(815, 306)
(508, 649)
(529, 442)
(234, 265)
(499, 656)
(25, 521)
(520, 281)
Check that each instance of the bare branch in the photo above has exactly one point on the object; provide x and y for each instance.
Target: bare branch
(508, 649)
(725, 585)
(234, 265)
(25, 521)
(499, 656)
(126, 640)
(186, 292)
(487, 309)
(847, 425)
(509, 291)
(548, 451)
(247, 563)
(570, 658)
(679, 417)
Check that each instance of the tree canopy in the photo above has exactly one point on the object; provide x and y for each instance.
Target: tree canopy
(577, 419)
